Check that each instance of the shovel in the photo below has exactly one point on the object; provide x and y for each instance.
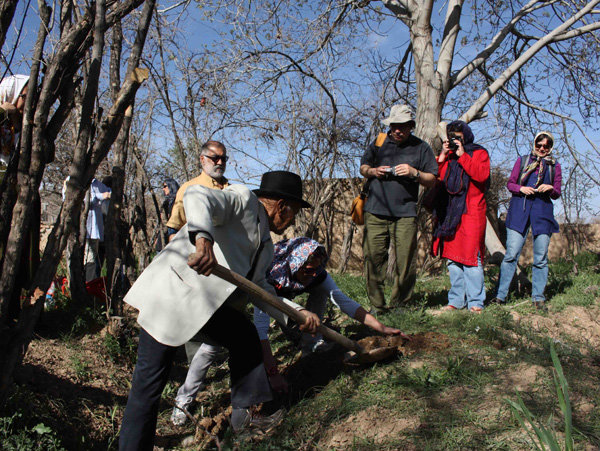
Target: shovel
(357, 354)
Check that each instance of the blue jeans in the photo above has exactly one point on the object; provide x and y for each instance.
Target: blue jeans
(539, 277)
(467, 285)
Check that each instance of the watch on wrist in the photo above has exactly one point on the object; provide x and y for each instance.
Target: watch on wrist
(417, 175)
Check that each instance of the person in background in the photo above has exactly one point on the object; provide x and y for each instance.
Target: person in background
(13, 91)
(395, 170)
(213, 158)
(170, 188)
(459, 233)
(534, 182)
(298, 267)
(99, 194)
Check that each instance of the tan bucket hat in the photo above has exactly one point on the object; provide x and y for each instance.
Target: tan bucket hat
(399, 114)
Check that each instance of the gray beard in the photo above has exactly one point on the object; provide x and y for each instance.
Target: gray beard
(216, 174)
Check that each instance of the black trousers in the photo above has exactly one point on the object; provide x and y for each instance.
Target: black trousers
(227, 327)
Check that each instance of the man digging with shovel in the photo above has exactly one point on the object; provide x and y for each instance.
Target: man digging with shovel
(230, 227)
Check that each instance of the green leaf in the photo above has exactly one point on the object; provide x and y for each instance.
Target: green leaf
(42, 429)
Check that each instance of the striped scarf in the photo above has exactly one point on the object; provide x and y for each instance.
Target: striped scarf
(536, 161)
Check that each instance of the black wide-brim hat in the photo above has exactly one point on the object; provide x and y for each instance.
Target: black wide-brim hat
(282, 184)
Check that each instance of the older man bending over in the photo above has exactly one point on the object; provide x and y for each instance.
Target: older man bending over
(175, 304)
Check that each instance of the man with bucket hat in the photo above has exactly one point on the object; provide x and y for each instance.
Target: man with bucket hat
(178, 298)
(394, 167)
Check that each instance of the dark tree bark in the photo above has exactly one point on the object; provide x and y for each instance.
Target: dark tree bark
(7, 12)
(15, 342)
(76, 257)
(115, 229)
(22, 209)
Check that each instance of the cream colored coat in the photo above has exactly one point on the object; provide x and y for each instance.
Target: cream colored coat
(174, 301)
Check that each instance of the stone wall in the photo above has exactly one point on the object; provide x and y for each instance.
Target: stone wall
(563, 245)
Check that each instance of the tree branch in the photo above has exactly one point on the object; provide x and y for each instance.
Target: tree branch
(577, 32)
(451, 29)
(524, 58)
(496, 41)
(563, 118)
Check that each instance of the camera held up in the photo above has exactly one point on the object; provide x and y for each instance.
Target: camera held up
(452, 144)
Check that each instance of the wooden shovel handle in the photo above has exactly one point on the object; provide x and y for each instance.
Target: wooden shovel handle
(254, 290)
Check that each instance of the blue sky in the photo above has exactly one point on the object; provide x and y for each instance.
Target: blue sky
(392, 41)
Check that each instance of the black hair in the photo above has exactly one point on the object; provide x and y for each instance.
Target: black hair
(544, 136)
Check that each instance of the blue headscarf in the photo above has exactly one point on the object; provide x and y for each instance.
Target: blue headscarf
(453, 200)
(288, 257)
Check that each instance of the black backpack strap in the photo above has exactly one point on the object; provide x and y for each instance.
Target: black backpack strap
(522, 169)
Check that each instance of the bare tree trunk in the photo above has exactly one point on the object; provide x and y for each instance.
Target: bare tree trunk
(141, 244)
(15, 342)
(146, 179)
(7, 11)
(26, 183)
(76, 258)
(8, 197)
(114, 220)
(346, 247)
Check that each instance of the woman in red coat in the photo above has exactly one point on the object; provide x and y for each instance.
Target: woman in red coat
(459, 234)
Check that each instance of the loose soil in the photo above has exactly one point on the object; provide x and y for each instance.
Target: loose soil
(579, 324)
(418, 343)
(342, 435)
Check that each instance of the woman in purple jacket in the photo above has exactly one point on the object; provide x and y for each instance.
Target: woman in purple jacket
(534, 183)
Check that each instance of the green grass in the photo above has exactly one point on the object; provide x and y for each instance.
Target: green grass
(81, 368)
(455, 394)
(450, 397)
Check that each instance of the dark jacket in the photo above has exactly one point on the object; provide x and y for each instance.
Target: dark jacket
(536, 210)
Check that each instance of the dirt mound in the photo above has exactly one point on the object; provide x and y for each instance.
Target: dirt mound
(425, 342)
(374, 425)
(580, 324)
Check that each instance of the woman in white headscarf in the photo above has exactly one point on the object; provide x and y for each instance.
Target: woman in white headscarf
(13, 90)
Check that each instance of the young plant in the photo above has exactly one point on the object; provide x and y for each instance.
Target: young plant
(544, 436)
(81, 368)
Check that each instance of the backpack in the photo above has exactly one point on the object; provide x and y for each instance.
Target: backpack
(357, 210)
